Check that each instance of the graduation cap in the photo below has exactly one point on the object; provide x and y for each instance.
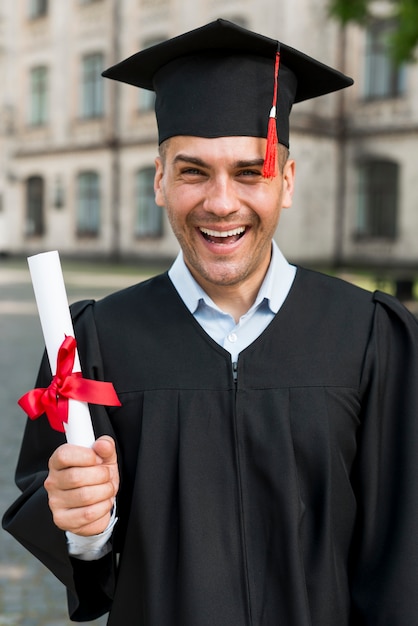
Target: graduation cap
(224, 80)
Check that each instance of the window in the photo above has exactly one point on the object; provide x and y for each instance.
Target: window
(38, 97)
(37, 8)
(377, 199)
(88, 204)
(383, 78)
(34, 206)
(148, 222)
(92, 86)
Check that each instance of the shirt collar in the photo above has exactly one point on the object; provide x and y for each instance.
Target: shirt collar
(274, 289)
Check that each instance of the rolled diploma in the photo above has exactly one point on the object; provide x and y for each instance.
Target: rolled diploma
(54, 313)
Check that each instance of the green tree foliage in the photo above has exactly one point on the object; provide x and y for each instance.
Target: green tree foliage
(404, 39)
(349, 10)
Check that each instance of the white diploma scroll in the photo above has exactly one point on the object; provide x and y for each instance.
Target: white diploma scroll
(52, 302)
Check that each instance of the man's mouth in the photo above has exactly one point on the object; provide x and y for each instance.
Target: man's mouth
(223, 236)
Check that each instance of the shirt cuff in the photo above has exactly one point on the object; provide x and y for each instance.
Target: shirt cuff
(94, 547)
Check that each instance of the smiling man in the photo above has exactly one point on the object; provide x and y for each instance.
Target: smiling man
(224, 212)
(262, 467)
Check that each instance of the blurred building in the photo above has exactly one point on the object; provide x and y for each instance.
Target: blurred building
(77, 151)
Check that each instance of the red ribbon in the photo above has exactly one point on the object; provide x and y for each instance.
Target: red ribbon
(53, 400)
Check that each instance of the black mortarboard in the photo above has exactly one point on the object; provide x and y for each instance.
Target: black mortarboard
(218, 80)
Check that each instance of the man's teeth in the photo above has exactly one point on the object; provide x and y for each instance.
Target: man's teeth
(223, 233)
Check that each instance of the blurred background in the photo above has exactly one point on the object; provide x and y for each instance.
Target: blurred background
(77, 151)
(77, 164)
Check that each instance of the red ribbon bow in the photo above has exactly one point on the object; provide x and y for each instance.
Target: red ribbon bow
(53, 400)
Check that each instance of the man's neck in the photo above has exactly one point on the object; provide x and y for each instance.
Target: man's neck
(274, 285)
(235, 299)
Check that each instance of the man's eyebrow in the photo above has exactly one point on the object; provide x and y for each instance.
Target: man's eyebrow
(186, 158)
(258, 162)
(242, 163)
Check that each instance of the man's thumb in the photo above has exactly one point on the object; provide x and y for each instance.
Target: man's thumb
(105, 448)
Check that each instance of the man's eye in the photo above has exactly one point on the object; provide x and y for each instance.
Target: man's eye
(192, 171)
(249, 173)
(192, 175)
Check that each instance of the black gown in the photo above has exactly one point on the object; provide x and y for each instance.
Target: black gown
(288, 497)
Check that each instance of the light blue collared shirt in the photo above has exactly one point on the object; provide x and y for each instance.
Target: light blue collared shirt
(221, 326)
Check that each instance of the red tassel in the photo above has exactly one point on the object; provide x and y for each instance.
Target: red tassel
(270, 159)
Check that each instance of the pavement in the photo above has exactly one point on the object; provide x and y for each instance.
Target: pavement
(29, 594)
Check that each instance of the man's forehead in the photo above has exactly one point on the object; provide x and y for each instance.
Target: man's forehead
(240, 148)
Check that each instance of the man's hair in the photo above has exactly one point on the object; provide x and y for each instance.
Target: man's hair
(283, 156)
(283, 153)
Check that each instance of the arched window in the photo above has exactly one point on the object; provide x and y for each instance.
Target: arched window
(88, 204)
(34, 206)
(378, 191)
(148, 218)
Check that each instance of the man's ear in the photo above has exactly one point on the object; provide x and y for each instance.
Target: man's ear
(158, 182)
(289, 173)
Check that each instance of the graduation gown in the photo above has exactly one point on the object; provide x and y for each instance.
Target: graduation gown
(288, 496)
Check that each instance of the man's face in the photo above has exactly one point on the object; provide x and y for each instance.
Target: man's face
(222, 211)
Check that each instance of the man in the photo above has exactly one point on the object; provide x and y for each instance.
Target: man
(262, 465)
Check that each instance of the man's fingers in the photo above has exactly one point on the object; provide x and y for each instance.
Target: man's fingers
(82, 484)
(86, 521)
(76, 477)
(82, 497)
(69, 455)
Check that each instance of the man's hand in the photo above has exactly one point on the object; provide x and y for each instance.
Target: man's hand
(82, 484)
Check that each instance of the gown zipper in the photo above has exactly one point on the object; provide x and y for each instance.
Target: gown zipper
(241, 497)
(235, 371)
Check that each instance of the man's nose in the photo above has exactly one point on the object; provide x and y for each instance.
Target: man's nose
(221, 198)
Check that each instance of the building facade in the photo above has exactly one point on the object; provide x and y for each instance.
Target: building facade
(77, 151)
